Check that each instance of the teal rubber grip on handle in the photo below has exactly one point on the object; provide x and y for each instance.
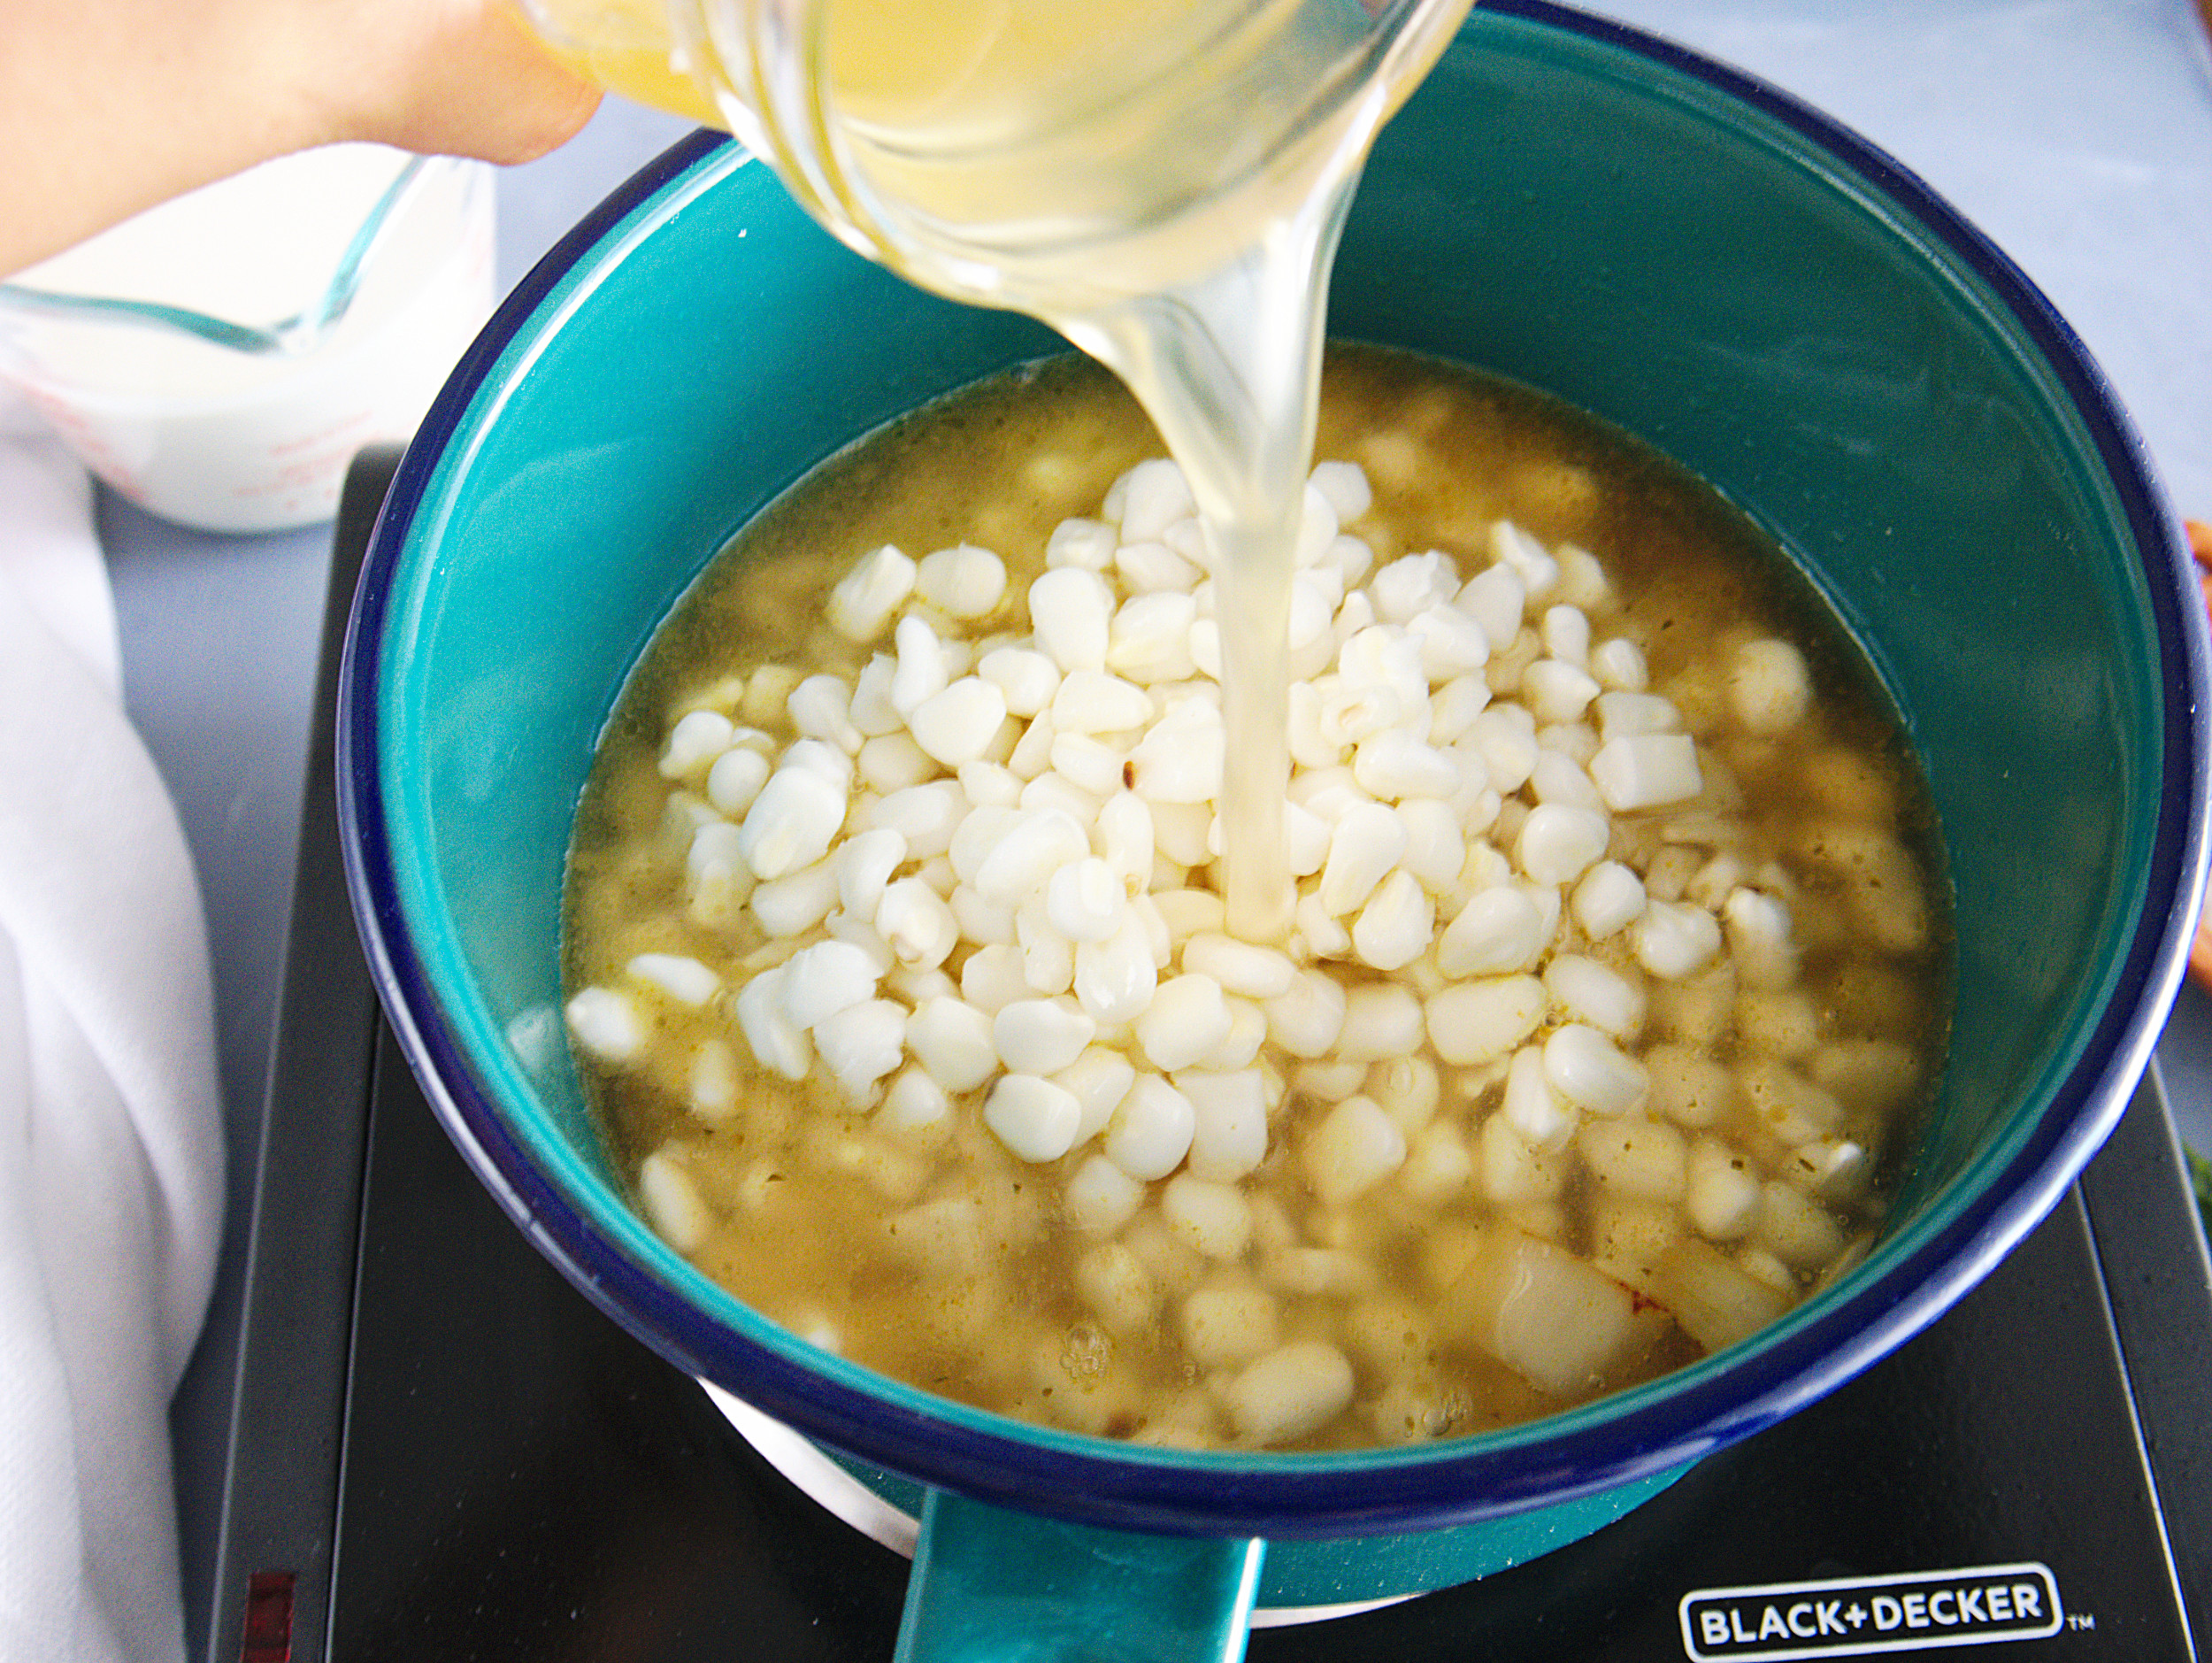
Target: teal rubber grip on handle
(991, 1585)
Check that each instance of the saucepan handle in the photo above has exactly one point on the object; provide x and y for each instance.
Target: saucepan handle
(991, 1585)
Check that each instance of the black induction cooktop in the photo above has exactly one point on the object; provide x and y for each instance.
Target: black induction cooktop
(443, 1452)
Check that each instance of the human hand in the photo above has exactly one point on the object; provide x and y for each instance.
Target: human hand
(109, 106)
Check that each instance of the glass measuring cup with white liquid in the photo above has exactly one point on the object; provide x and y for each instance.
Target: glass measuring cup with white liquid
(1161, 180)
(219, 359)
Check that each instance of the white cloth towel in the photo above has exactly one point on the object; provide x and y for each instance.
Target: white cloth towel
(110, 1143)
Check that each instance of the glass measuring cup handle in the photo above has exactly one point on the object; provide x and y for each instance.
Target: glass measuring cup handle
(989, 1582)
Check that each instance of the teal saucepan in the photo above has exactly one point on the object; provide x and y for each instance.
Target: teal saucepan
(1688, 255)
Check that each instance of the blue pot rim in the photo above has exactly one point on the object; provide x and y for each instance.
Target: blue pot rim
(1633, 1434)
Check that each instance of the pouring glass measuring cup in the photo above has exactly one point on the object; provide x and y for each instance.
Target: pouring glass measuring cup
(1161, 180)
(1032, 154)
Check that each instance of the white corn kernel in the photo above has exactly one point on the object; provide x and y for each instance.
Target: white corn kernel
(672, 1203)
(1606, 900)
(736, 780)
(916, 924)
(1623, 715)
(1506, 741)
(1306, 1020)
(1722, 1191)
(1100, 1078)
(1531, 562)
(864, 863)
(891, 762)
(1494, 598)
(1048, 956)
(792, 823)
(1319, 935)
(1408, 1089)
(680, 977)
(1619, 666)
(863, 599)
(796, 902)
(1150, 1131)
(1354, 1147)
(779, 1045)
(1343, 486)
(1557, 845)
(1535, 1111)
(820, 707)
(1180, 757)
(1239, 966)
(697, 739)
(920, 674)
(1499, 930)
(1148, 499)
(957, 724)
(915, 1106)
(1566, 633)
(1369, 840)
(1393, 765)
(1482, 1021)
(1557, 692)
(1769, 687)
(1072, 612)
(824, 978)
(1125, 838)
(1594, 993)
(714, 1080)
(1041, 1036)
(963, 581)
(1181, 830)
(1227, 1328)
(1101, 1197)
(1411, 584)
(606, 1023)
(1033, 1118)
(1673, 939)
(1759, 939)
(1646, 1160)
(1026, 679)
(926, 815)
(951, 1039)
(1213, 1219)
(1438, 1167)
(1381, 1020)
(1796, 1229)
(1229, 1130)
(1114, 1283)
(1115, 979)
(1396, 926)
(871, 709)
(988, 922)
(1020, 855)
(1646, 770)
(1086, 544)
(1593, 1074)
(1511, 1172)
(1186, 1019)
(1331, 1082)
(1097, 702)
(1085, 900)
(1290, 1393)
(1436, 852)
(861, 1044)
